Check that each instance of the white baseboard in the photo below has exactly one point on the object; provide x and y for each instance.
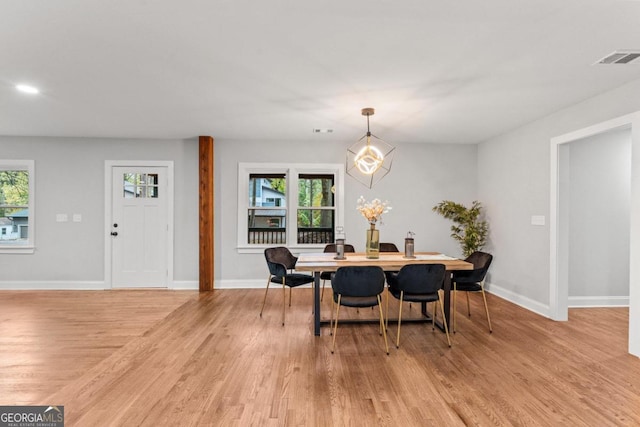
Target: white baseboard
(573, 302)
(50, 285)
(185, 285)
(84, 285)
(520, 300)
(602, 301)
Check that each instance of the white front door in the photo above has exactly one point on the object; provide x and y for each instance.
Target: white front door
(139, 226)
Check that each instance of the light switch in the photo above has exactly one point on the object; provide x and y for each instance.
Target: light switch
(77, 218)
(537, 220)
(62, 217)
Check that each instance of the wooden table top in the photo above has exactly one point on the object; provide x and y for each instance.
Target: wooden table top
(390, 261)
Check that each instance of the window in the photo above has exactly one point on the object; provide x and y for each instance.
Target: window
(140, 185)
(316, 208)
(16, 205)
(266, 218)
(296, 205)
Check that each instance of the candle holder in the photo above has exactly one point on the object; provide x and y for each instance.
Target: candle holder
(340, 239)
(409, 246)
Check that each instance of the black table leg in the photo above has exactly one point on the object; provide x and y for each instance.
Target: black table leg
(316, 303)
(447, 297)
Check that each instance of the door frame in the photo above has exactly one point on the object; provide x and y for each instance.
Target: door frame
(558, 263)
(108, 206)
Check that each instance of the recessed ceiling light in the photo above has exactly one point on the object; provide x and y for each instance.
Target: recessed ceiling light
(323, 131)
(27, 89)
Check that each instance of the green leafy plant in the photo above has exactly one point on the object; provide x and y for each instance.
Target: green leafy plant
(469, 230)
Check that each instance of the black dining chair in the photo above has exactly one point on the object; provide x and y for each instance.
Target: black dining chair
(281, 263)
(326, 275)
(419, 283)
(358, 286)
(388, 247)
(472, 281)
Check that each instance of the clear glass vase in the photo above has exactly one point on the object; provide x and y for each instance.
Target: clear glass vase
(372, 247)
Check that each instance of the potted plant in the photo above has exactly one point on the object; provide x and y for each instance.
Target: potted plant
(468, 229)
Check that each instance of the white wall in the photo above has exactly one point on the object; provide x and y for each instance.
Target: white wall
(70, 175)
(421, 176)
(70, 179)
(598, 219)
(514, 180)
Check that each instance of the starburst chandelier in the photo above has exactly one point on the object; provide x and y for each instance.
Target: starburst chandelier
(366, 161)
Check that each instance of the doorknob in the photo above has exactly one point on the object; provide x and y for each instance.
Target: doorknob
(114, 233)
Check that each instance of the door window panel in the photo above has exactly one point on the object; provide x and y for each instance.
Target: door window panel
(140, 185)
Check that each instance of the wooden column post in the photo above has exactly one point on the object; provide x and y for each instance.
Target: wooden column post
(206, 213)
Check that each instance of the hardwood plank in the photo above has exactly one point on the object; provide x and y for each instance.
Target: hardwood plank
(46, 338)
(184, 358)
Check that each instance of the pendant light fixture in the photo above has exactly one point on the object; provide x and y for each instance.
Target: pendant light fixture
(368, 161)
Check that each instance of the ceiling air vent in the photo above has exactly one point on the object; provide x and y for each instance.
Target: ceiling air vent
(620, 57)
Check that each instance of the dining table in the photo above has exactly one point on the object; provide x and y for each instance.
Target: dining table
(317, 263)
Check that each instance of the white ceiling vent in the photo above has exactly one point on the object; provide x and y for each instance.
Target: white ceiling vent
(620, 57)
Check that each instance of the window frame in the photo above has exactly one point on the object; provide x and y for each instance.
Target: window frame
(27, 247)
(291, 171)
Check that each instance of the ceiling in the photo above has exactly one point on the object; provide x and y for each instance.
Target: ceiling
(435, 71)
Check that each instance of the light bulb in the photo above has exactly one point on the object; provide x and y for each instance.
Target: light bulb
(368, 160)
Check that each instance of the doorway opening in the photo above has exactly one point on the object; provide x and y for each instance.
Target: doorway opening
(594, 202)
(560, 218)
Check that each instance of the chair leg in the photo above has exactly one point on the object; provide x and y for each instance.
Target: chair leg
(468, 305)
(290, 292)
(384, 332)
(433, 317)
(486, 307)
(322, 293)
(444, 322)
(386, 326)
(399, 319)
(331, 316)
(265, 295)
(284, 300)
(335, 327)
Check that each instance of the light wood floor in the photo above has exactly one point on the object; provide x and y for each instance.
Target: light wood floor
(173, 358)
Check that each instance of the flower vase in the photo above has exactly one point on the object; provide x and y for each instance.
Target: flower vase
(372, 247)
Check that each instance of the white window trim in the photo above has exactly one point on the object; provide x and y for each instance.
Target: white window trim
(291, 170)
(29, 246)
